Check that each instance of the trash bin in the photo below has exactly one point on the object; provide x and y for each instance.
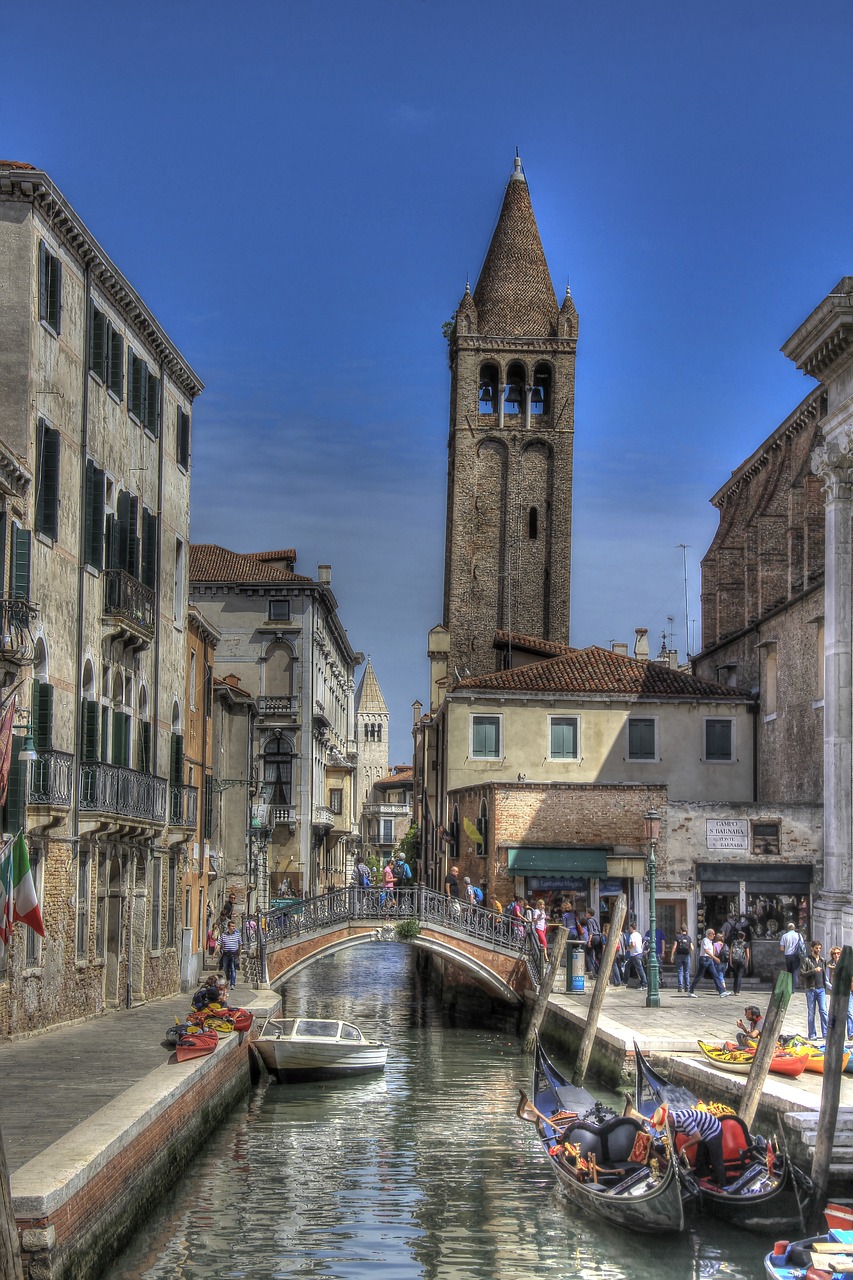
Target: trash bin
(576, 970)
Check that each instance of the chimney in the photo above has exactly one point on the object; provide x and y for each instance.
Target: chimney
(641, 644)
(673, 659)
(324, 575)
(417, 708)
(619, 646)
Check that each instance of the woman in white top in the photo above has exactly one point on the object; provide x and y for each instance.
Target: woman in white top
(540, 920)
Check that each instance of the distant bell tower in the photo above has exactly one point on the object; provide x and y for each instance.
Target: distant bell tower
(509, 486)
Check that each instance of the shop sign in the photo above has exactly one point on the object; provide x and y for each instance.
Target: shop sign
(726, 833)
(557, 884)
(611, 886)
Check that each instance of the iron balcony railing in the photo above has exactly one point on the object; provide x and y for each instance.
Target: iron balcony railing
(129, 599)
(183, 806)
(16, 619)
(113, 789)
(50, 779)
(419, 903)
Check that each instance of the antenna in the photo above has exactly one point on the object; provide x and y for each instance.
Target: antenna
(684, 546)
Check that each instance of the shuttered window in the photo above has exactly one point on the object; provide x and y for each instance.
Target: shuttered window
(641, 739)
(13, 815)
(121, 739)
(91, 721)
(144, 761)
(41, 713)
(149, 549)
(20, 575)
(208, 808)
(718, 740)
(47, 481)
(127, 515)
(98, 327)
(152, 404)
(115, 362)
(137, 386)
(183, 439)
(564, 738)
(50, 288)
(83, 887)
(96, 487)
(176, 760)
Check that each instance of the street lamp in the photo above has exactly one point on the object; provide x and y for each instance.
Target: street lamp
(652, 821)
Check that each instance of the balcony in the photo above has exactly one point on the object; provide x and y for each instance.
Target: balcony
(277, 708)
(183, 806)
(16, 618)
(50, 780)
(323, 817)
(129, 608)
(282, 815)
(386, 810)
(117, 792)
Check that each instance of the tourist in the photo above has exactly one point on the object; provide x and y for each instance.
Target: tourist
(752, 1028)
(402, 874)
(594, 944)
(451, 891)
(813, 971)
(739, 957)
(228, 908)
(540, 922)
(702, 1130)
(387, 896)
(793, 947)
(682, 949)
(570, 919)
(708, 967)
(229, 952)
(635, 956)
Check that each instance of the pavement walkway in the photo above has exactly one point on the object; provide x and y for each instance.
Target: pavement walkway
(56, 1079)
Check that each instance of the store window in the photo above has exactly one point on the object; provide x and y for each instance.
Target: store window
(769, 913)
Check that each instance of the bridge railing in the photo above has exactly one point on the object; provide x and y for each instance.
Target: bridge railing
(418, 903)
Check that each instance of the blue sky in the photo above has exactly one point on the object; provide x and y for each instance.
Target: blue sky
(299, 191)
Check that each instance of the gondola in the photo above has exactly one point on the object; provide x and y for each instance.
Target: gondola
(765, 1191)
(606, 1164)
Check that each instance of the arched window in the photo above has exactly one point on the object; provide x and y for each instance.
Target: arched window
(143, 744)
(488, 390)
(540, 396)
(516, 389)
(483, 828)
(278, 770)
(533, 524)
(120, 724)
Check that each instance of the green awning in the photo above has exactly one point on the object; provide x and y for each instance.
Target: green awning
(532, 860)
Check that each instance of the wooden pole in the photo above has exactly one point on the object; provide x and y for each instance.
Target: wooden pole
(830, 1092)
(558, 946)
(605, 969)
(766, 1048)
(10, 1253)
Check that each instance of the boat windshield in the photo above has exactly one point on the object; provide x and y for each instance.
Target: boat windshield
(280, 1027)
(349, 1032)
(314, 1027)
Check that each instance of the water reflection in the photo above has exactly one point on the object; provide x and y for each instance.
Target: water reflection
(423, 1172)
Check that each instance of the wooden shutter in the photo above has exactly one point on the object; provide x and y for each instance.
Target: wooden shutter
(47, 498)
(16, 794)
(152, 408)
(149, 549)
(116, 362)
(183, 450)
(97, 342)
(128, 541)
(105, 732)
(144, 761)
(41, 712)
(3, 523)
(56, 291)
(94, 515)
(21, 542)
(42, 280)
(90, 730)
(176, 760)
(208, 808)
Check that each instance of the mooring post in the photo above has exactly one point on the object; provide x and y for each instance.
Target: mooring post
(605, 969)
(10, 1253)
(831, 1090)
(766, 1048)
(558, 946)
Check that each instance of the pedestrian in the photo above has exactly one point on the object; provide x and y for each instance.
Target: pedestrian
(813, 971)
(402, 874)
(793, 948)
(635, 956)
(594, 944)
(570, 919)
(361, 873)
(752, 1028)
(228, 907)
(540, 924)
(229, 953)
(739, 958)
(682, 949)
(451, 891)
(387, 898)
(702, 1130)
(708, 967)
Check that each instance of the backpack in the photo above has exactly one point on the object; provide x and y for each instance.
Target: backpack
(405, 872)
(724, 953)
(682, 944)
(801, 947)
(477, 892)
(363, 877)
(738, 952)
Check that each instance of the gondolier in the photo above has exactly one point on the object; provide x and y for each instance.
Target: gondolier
(703, 1131)
(229, 951)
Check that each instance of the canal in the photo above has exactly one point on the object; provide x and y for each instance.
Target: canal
(422, 1172)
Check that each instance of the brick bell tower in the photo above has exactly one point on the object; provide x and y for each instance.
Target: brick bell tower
(509, 487)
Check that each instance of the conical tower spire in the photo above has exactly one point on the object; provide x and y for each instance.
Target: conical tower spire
(514, 295)
(368, 695)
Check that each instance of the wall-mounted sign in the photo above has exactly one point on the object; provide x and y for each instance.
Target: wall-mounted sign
(727, 833)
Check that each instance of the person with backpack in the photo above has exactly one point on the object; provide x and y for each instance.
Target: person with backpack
(738, 959)
(682, 949)
(793, 948)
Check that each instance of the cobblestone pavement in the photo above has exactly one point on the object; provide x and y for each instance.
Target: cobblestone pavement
(54, 1080)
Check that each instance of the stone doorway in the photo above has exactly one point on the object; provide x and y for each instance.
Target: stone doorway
(115, 903)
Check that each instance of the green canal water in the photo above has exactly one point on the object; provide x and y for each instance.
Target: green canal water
(423, 1172)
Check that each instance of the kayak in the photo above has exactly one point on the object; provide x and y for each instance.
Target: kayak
(739, 1060)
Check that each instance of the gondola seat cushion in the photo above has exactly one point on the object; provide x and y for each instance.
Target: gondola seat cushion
(610, 1143)
(735, 1140)
(588, 1140)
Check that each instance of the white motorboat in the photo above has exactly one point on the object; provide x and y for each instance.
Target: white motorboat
(317, 1049)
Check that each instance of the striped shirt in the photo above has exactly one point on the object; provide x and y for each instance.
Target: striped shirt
(230, 942)
(690, 1121)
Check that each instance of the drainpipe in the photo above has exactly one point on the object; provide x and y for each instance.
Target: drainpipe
(81, 578)
(155, 737)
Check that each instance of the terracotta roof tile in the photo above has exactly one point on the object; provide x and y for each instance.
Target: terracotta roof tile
(399, 778)
(210, 563)
(17, 164)
(596, 670)
(532, 644)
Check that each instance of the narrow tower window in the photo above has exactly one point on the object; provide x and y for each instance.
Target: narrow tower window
(515, 389)
(540, 395)
(533, 524)
(488, 392)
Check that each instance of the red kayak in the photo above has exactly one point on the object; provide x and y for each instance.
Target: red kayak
(196, 1046)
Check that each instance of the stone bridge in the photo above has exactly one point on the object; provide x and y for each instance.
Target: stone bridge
(502, 956)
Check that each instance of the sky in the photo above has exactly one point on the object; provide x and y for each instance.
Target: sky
(299, 192)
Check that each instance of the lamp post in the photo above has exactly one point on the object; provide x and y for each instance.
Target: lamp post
(652, 821)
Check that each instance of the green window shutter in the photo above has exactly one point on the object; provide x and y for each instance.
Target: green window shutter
(99, 502)
(115, 353)
(152, 411)
(111, 541)
(42, 280)
(3, 523)
(183, 443)
(176, 760)
(16, 793)
(47, 499)
(208, 690)
(144, 761)
(143, 391)
(133, 539)
(105, 733)
(21, 543)
(90, 730)
(123, 523)
(149, 549)
(56, 293)
(208, 809)
(97, 342)
(41, 712)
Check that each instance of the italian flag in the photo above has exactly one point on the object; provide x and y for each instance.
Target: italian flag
(18, 900)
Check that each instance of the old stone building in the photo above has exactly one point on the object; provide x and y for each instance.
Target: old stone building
(199, 795)
(95, 430)
(509, 486)
(283, 643)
